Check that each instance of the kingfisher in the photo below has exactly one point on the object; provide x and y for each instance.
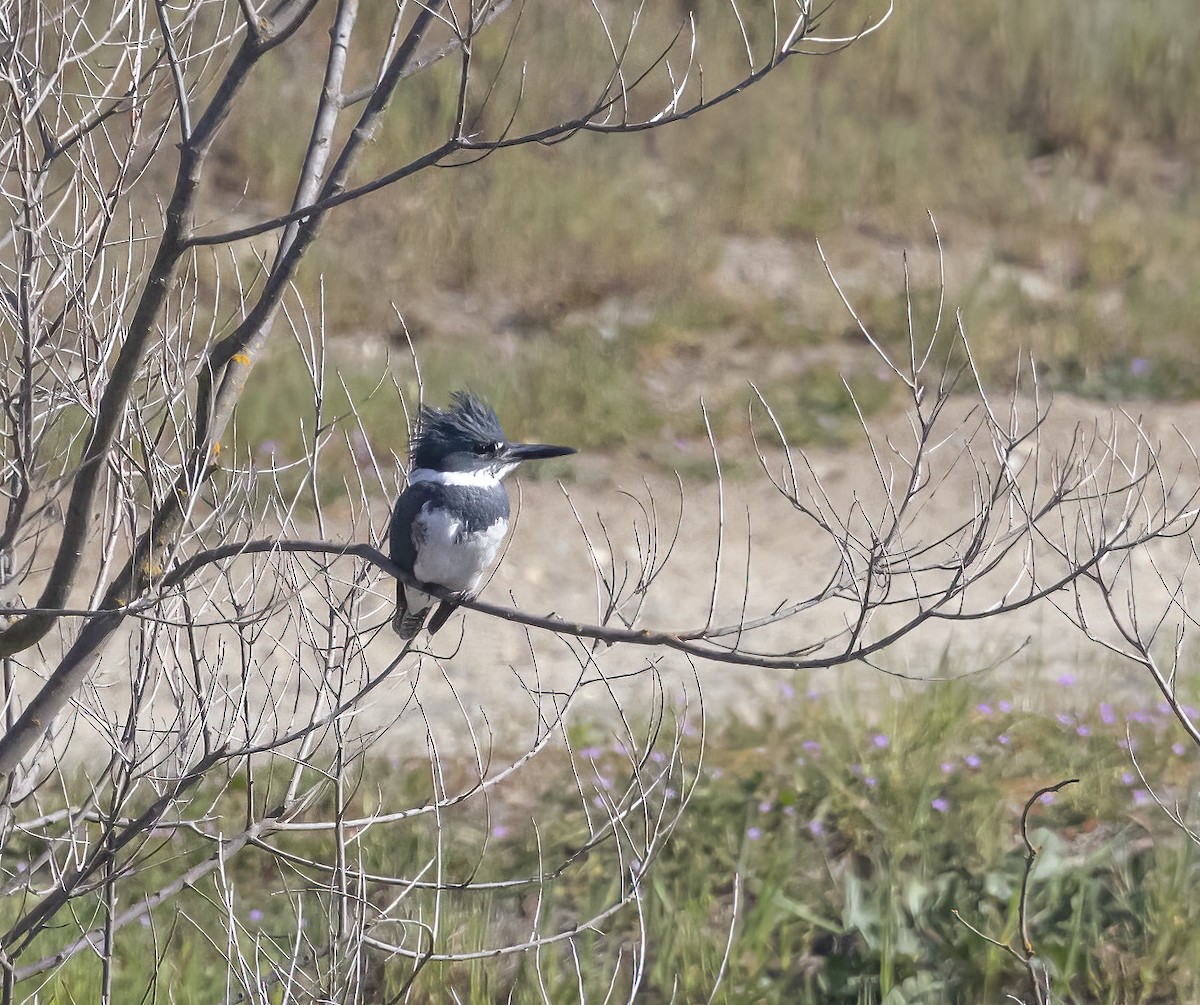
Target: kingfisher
(448, 524)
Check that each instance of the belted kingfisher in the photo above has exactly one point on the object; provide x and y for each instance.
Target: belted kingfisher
(448, 523)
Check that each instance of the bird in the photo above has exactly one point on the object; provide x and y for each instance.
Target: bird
(449, 522)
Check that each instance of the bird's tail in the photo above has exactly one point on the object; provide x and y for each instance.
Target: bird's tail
(407, 625)
(407, 622)
(441, 615)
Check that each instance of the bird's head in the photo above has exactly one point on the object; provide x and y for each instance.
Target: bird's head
(467, 438)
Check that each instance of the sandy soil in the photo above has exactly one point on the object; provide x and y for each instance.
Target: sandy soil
(504, 679)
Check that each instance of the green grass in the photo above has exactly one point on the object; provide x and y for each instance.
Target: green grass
(1057, 142)
(852, 841)
(555, 387)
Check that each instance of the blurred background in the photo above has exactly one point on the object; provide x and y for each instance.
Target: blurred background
(594, 290)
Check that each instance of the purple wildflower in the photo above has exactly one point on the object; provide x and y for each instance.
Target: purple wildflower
(1139, 366)
(1063, 718)
(1128, 777)
(765, 806)
(1004, 739)
(871, 781)
(881, 741)
(1005, 706)
(812, 745)
(1047, 798)
(255, 915)
(1178, 748)
(1142, 798)
(816, 827)
(947, 767)
(983, 708)
(754, 833)
(1066, 679)
(786, 691)
(940, 804)
(972, 761)
(1083, 729)
(1107, 715)
(499, 831)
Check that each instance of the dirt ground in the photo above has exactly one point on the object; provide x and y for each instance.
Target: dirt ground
(502, 679)
(491, 685)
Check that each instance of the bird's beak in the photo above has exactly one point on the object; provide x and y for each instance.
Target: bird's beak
(514, 453)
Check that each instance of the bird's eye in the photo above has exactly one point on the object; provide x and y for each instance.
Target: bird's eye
(487, 449)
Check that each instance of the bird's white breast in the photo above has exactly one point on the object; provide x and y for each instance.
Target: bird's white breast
(446, 556)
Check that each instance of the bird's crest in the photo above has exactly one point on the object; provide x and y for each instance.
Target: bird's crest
(440, 431)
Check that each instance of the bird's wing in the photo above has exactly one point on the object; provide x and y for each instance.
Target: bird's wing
(407, 529)
(405, 534)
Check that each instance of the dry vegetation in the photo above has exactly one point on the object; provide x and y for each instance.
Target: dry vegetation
(236, 842)
(617, 280)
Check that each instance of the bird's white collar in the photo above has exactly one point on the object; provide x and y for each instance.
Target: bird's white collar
(485, 479)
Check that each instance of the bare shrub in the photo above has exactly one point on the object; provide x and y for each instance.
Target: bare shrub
(193, 670)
